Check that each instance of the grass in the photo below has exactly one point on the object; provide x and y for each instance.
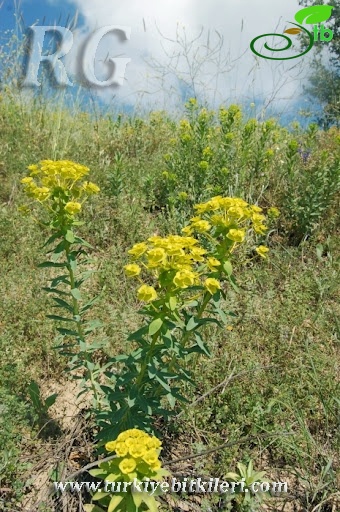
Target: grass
(282, 346)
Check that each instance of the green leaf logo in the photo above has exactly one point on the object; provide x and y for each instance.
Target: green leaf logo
(314, 14)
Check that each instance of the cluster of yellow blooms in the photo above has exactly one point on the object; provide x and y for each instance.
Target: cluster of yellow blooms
(173, 260)
(62, 182)
(229, 214)
(230, 217)
(136, 448)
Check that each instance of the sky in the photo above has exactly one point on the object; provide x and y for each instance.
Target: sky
(177, 49)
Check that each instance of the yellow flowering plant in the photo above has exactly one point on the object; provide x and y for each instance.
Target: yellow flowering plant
(182, 281)
(132, 477)
(60, 189)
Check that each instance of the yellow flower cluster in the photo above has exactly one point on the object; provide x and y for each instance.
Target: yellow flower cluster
(172, 260)
(179, 262)
(136, 448)
(60, 181)
(229, 216)
(185, 131)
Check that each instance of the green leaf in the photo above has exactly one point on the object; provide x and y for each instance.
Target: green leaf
(63, 304)
(92, 508)
(192, 304)
(52, 238)
(173, 303)
(222, 316)
(98, 472)
(73, 263)
(155, 326)
(51, 264)
(89, 304)
(50, 400)
(67, 332)
(115, 500)
(171, 399)
(76, 293)
(60, 318)
(201, 344)
(57, 251)
(191, 324)
(83, 242)
(34, 393)
(60, 279)
(314, 14)
(228, 268)
(92, 325)
(162, 382)
(70, 236)
(137, 498)
(150, 502)
(233, 283)
(55, 290)
(112, 477)
(138, 335)
(99, 495)
(232, 476)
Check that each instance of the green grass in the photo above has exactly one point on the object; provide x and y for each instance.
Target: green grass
(283, 348)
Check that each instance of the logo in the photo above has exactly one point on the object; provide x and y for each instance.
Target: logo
(314, 15)
(86, 62)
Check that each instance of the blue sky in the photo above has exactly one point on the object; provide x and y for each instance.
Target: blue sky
(35, 11)
(158, 29)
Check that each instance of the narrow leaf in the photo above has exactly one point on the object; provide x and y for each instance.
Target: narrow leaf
(114, 503)
(63, 304)
(51, 264)
(222, 315)
(67, 332)
(99, 495)
(150, 502)
(201, 344)
(163, 383)
(60, 279)
(55, 290)
(60, 318)
(52, 238)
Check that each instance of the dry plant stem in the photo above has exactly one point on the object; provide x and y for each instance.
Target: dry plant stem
(80, 331)
(223, 384)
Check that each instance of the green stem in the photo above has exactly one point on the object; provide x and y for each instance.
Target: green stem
(80, 331)
(147, 360)
(184, 339)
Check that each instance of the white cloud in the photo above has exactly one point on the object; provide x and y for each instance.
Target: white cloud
(154, 26)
